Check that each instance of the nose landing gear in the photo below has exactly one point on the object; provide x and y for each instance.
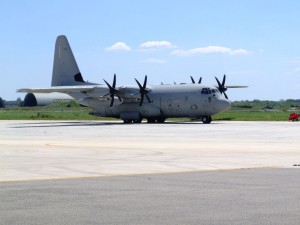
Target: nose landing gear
(206, 119)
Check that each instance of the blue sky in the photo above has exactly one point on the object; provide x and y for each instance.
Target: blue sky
(254, 43)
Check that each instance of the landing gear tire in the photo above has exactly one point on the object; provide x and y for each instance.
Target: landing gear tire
(137, 121)
(156, 120)
(151, 120)
(206, 119)
(161, 120)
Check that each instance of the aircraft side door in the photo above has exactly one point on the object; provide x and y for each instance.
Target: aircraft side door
(174, 105)
(166, 105)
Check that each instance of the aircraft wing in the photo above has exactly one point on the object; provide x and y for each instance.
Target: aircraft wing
(62, 89)
(125, 94)
(236, 86)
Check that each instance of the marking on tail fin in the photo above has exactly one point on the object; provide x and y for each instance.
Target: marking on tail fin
(78, 77)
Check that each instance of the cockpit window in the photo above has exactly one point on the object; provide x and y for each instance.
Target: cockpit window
(205, 91)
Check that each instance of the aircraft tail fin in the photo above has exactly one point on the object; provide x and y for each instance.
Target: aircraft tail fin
(65, 70)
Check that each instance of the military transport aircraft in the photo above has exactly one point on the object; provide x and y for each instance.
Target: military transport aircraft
(131, 104)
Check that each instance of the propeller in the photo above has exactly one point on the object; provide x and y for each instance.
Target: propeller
(222, 88)
(143, 90)
(193, 81)
(112, 91)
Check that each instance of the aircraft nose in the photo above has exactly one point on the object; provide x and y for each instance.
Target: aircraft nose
(222, 105)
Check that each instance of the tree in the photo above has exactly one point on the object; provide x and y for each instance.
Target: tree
(2, 103)
(20, 102)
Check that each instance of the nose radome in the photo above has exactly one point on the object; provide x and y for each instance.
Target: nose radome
(222, 105)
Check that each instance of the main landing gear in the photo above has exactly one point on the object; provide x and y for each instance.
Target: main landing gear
(132, 121)
(206, 119)
(156, 120)
(149, 120)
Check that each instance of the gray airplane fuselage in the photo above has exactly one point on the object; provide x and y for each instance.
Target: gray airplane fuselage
(181, 100)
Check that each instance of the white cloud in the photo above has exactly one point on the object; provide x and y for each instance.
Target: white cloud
(119, 46)
(210, 50)
(157, 44)
(239, 52)
(154, 60)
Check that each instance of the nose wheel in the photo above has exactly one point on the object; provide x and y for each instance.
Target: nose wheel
(206, 119)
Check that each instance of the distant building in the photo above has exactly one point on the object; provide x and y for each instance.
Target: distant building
(268, 107)
(42, 99)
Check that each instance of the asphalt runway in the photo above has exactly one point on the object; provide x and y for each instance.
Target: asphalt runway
(91, 172)
(227, 197)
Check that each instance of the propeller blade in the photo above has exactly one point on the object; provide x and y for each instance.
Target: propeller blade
(120, 99)
(219, 84)
(225, 95)
(143, 90)
(145, 83)
(222, 88)
(224, 78)
(140, 86)
(148, 98)
(142, 100)
(112, 91)
(112, 101)
(199, 82)
(110, 87)
(193, 81)
(114, 82)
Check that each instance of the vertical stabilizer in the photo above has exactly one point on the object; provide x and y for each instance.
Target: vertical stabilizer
(65, 70)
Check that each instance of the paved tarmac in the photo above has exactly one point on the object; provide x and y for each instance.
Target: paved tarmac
(58, 149)
(228, 197)
(91, 172)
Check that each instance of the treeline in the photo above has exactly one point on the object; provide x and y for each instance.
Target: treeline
(4, 103)
(265, 104)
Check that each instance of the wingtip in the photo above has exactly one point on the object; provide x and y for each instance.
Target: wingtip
(23, 90)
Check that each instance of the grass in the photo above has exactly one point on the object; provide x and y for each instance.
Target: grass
(57, 111)
(260, 110)
(252, 116)
(240, 111)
